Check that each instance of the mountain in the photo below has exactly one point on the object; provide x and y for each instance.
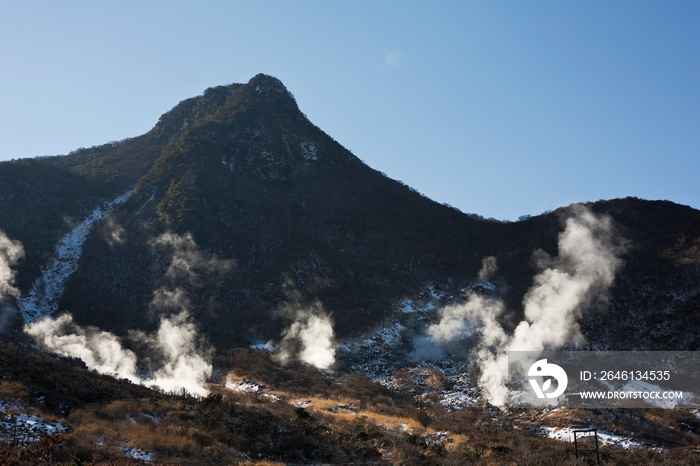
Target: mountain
(270, 212)
(236, 225)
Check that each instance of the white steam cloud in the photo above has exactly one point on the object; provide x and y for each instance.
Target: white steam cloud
(310, 338)
(11, 251)
(566, 285)
(177, 339)
(184, 359)
(174, 345)
(475, 318)
(488, 268)
(177, 355)
(165, 300)
(100, 351)
(187, 261)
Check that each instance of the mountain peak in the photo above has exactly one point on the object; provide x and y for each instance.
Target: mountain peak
(221, 103)
(265, 84)
(262, 93)
(254, 130)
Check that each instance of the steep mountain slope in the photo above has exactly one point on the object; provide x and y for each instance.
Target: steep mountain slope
(265, 209)
(655, 303)
(39, 203)
(42, 199)
(254, 182)
(655, 300)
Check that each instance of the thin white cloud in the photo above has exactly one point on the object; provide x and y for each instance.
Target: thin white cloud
(390, 61)
(393, 59)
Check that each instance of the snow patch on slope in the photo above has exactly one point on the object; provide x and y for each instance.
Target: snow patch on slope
(566, 434)
(22, 427)
(47, 290)
(137, 454)
(245, 386)
(408, 306)
(263, 347)
(309, 150)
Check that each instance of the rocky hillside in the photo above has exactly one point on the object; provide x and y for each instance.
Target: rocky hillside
(266, 210)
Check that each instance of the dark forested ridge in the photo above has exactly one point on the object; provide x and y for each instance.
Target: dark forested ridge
(294, 215)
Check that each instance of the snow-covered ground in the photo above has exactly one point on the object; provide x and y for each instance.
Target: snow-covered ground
(386, 336)
(47, 290)
(385, 351)
(301, 404)
(566, 434)
(436, 438)
(22, 426)
(137, 454)
(408, 306)
(6, 404)
(263, 346)
(247, 386)
(453, 401)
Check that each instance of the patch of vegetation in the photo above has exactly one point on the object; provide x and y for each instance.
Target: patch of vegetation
(313, 419)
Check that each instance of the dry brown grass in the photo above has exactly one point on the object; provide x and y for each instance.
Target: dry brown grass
(12, 390)
(685, 251)
(473, 436)
(227, 423)
(322, 407)
(123, 423)
(262, 463)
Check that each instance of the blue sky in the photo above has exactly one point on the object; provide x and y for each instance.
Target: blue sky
(497, 108)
